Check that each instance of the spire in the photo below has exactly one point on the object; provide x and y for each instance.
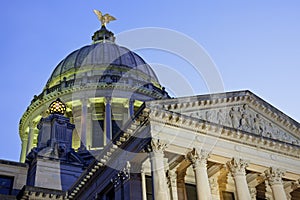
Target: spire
(103, 34)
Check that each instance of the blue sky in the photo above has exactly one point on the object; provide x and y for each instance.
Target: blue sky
(254, 44)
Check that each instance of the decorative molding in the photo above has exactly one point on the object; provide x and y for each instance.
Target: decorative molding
(237, 166)
(252, 191)
(157, 146)
(198, 158)
(274, 176)
(242, 117)
(199, 126)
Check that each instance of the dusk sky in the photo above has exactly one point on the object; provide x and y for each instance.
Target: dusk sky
(255, 45)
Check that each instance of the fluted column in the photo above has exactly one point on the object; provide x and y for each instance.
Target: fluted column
(238, 170)
(198, 159)
(172, 182)
(159, 181)
(107, 120)
(274, 177)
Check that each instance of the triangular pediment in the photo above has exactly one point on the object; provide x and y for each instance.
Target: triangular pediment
(240, 110)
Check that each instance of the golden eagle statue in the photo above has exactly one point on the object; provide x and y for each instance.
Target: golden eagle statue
(104, 19)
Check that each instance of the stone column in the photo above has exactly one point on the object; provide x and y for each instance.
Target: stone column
(274, 176)
(107, 120)
(129, 105)
(144, 190)
(159, 181)
(238, 170)
(198, 159)
(181, 189)
(172, 182)
(83, 122)
(130, 108)
(24, 149)
(30, 137)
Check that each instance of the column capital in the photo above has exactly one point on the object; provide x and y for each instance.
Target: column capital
(85, 101)
(198, 158)
(157, 146)
(295, 185)
(237, 166)
(107, 100)
(274, 175)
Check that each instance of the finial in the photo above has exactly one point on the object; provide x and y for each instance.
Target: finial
(104, 19)
(57, 107)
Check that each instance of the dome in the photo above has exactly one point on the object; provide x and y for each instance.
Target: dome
(100, 82)
(102, 55)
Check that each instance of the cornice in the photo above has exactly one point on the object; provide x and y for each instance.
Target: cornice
(229, 99)
(227, 133)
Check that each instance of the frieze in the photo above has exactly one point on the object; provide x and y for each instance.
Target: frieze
(242, 117)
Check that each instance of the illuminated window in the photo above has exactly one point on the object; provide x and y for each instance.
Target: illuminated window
(6, 184)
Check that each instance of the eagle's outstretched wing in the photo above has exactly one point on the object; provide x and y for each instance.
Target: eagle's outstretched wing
(99, 14)
(109, 18)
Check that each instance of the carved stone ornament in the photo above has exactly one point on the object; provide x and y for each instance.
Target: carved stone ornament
(237, 167)
(172, 178)
(274, 175)
(157, 146)
(198, 158)
(122, 175)
(253, 192)
(243, 118)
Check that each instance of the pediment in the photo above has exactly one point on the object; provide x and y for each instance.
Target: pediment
(239, 110)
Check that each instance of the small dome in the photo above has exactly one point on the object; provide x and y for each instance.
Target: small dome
(57, 107)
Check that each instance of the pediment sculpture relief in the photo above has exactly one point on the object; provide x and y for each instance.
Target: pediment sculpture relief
(244, 118)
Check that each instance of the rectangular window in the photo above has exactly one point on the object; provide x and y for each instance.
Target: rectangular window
(149, 187)
(191, 191)
(116, 127)
(6, 184)
(227, 195)
(97, 133)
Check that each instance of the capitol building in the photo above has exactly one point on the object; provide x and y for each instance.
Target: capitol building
(104, 128)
